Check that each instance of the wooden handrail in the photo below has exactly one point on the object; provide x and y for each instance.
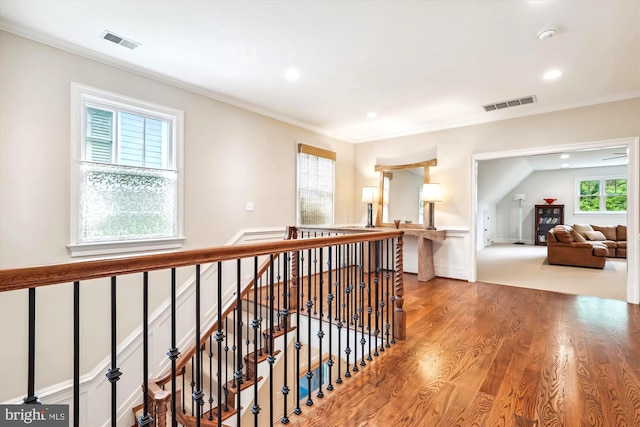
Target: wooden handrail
(31, 277)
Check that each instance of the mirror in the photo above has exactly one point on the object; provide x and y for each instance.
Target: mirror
(400, 194)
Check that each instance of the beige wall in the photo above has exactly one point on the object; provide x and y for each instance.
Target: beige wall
(231, 156)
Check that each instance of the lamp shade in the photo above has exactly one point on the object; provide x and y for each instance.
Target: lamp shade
(431, 193)
(369, 195)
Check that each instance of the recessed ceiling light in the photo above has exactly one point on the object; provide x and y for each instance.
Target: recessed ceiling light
(552, 74)
(372, 115)
(565, 156)
(292, 74)
(565, 165)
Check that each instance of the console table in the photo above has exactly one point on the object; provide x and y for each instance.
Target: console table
(426, 270)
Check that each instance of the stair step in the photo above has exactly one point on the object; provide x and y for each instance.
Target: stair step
(233, 391)
(250, 358)
(188, 420)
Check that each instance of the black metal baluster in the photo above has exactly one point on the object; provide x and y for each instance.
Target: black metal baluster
(376, 331)
(193, 382)
(271, 358)
(339, 307)
(211, 378)
(225, 387)
(285, 319)
(145, 418)
(315, 288)
(369, 306)
(320, 333)
(173, 351)
(113, 374)
(301, 261)
(237, 329)
(31, 397)
(184, 406)
(363, 341)
(278, 277)
(219, 338)
(298, 344)
(248, 340)
(198, 393)
(347, 298)
(255, 324)
(387, 276)
(76, 354)
(261, 318)
(329, 313)
(357, 272)
(309, 306)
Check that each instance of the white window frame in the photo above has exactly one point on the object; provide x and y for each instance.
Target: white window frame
(320, 152)
(601, 195)
(80, 95)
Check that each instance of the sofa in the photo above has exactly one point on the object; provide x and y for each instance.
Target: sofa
(565, 246)
(614, 236)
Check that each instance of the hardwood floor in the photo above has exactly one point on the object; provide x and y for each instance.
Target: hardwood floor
(489, 355)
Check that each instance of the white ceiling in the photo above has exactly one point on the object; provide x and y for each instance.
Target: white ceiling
(421, 65)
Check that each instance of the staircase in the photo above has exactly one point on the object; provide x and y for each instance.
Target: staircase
(332, 299)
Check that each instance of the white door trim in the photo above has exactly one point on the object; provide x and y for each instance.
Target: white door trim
(633, 202)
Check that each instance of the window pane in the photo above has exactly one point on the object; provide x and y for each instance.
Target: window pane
(99, 135)
(590, 204)
(616, 186)
(124, 203)
(156, 135)
(589, 188)
(616, 203)
(131, 139)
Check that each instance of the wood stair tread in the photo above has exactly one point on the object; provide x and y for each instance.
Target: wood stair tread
(250, 358)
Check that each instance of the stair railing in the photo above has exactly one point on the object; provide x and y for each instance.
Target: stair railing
(347, 287)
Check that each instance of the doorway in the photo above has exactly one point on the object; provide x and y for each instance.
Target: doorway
(477, 223)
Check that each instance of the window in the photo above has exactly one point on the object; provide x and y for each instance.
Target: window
(126, 193)
(600, 195)
(319, 376)
(316, 184)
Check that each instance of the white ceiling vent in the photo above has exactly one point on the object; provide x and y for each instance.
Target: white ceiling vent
(112, 37)
(512, 103)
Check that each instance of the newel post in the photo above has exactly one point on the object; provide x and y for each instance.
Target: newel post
(292, 234)
(400, 320)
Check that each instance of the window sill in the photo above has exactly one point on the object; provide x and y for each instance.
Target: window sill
(592, 213)
(139, 247)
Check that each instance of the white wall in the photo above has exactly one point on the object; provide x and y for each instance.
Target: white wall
(558, 184)
(231, 156)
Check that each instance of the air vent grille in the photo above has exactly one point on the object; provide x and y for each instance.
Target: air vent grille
(511, 103)
(112, 37)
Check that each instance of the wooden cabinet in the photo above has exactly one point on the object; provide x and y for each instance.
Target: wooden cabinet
(547, 217)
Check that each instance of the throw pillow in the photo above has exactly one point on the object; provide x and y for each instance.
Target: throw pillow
(609, 232)
(595, 236)
(563, 233)
(577, 236)
(621, 233)
(582, 228)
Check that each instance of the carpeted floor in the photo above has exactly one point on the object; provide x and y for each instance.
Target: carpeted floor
(526, 266)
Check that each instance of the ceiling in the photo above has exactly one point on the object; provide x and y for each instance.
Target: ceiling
(591, 158)
(420, 65)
